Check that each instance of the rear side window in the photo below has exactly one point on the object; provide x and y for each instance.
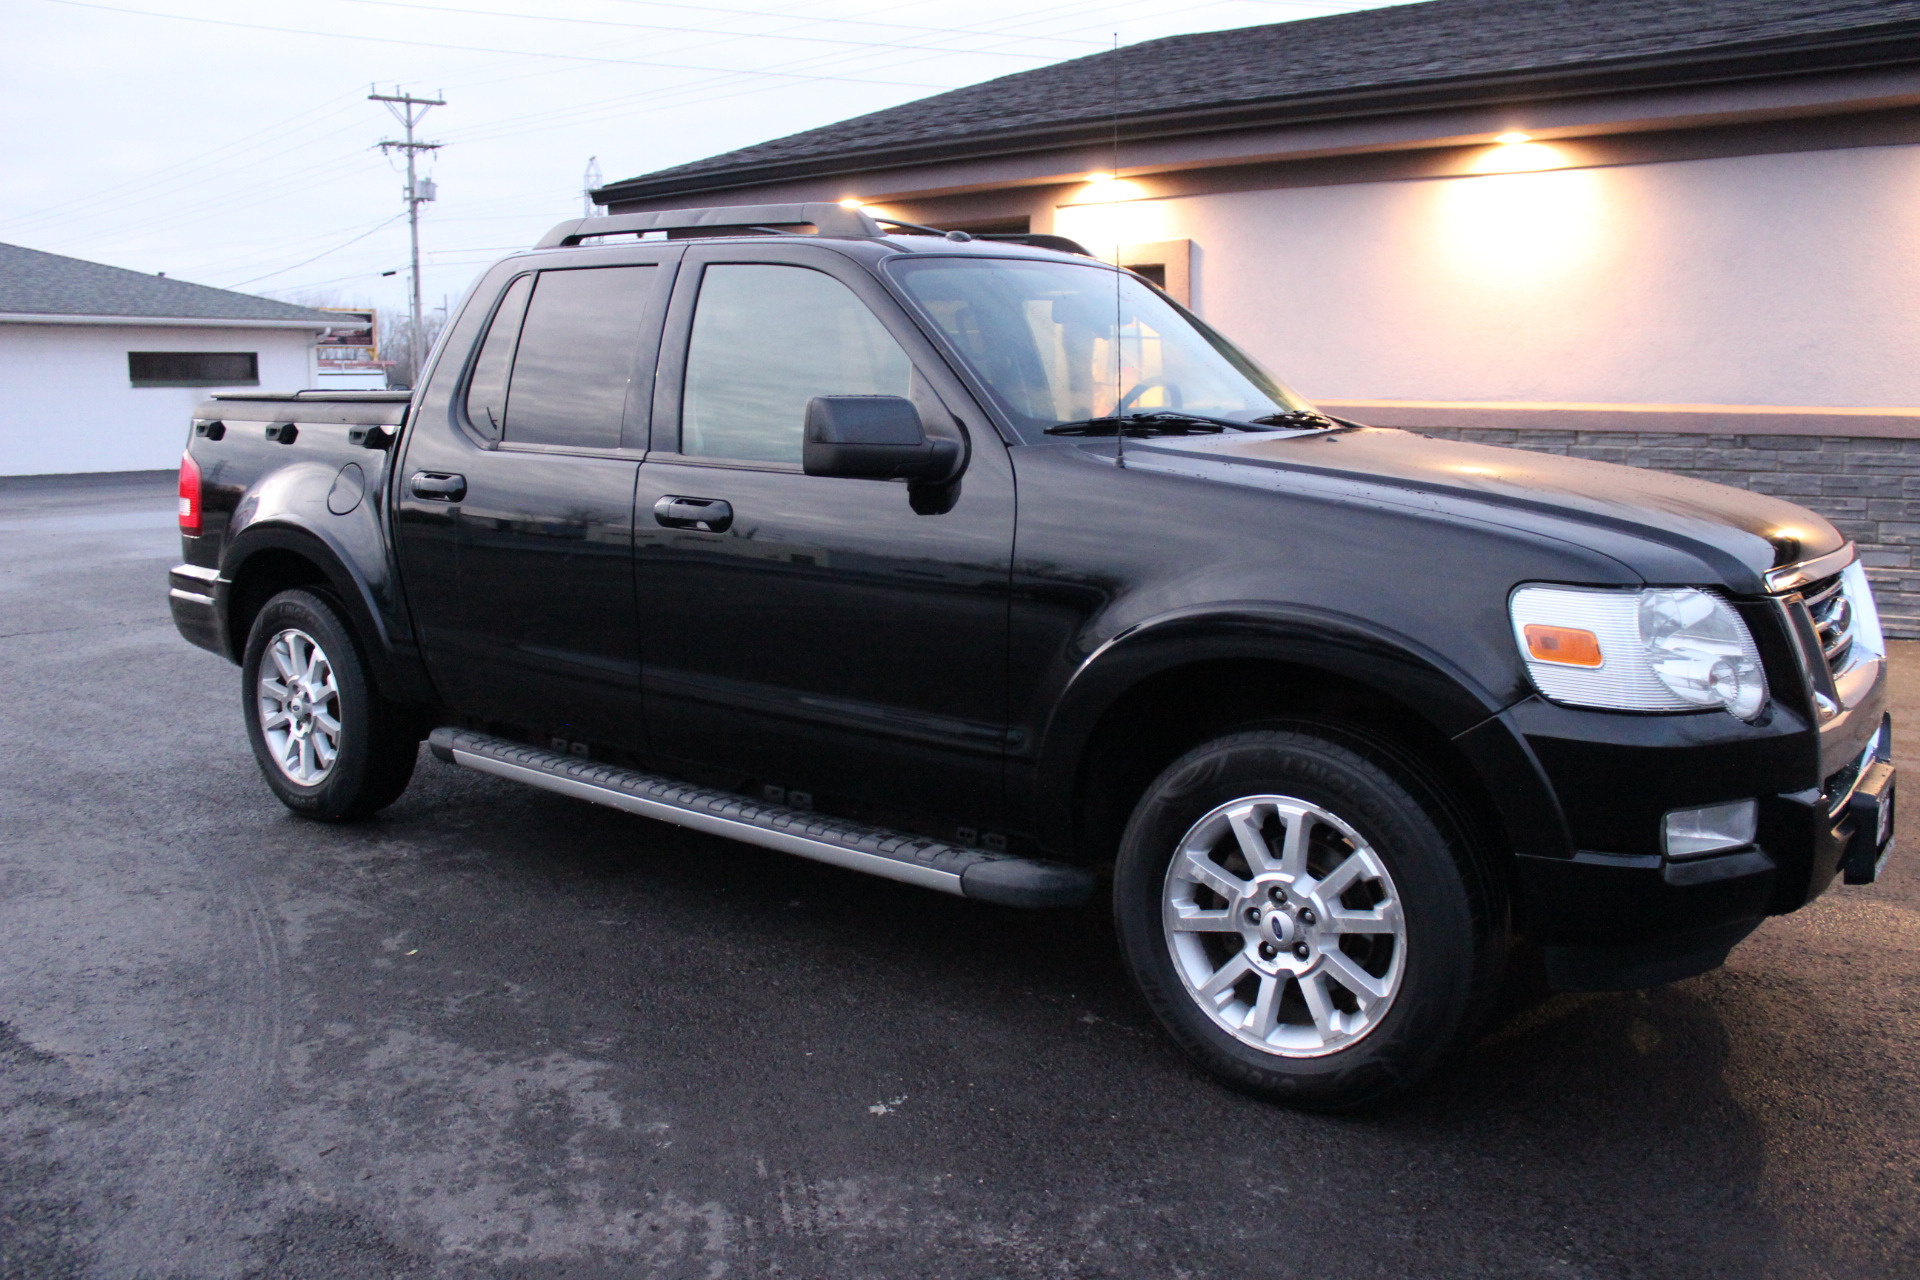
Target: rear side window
(559, 357)
(767, 339)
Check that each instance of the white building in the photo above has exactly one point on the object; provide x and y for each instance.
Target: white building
(100, 367)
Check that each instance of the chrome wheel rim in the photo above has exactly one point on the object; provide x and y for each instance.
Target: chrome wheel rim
(299, 707)
(1284, 926)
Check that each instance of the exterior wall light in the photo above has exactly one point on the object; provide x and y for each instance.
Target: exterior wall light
(851, 203)
(1100, 177)
(1513, 138)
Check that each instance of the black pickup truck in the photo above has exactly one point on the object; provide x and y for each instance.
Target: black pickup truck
(982, 565)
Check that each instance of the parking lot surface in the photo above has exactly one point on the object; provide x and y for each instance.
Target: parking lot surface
(496, 1032)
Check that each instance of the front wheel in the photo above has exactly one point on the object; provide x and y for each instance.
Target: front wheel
(328, 744)
(1301, 924)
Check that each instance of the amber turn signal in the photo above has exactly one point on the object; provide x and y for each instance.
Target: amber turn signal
(1568, 646)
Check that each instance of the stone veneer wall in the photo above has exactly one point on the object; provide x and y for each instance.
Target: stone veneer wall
(1869, 487)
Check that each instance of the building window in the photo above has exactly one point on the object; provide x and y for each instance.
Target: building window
(1168, 263)
(193, 368)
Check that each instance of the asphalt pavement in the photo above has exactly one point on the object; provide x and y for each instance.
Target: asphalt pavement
(496, 1032)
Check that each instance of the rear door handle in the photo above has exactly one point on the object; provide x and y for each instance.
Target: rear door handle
(437, 484)
(709, 515)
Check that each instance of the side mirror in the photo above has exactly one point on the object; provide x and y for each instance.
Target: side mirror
(875, 438)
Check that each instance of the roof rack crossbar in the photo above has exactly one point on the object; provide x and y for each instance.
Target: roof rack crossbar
(831, 219)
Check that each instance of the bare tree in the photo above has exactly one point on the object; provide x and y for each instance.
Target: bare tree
(404, 352)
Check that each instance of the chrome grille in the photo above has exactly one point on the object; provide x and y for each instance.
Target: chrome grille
(1832, 615)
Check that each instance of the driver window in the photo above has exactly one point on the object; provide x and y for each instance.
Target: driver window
(767, 339)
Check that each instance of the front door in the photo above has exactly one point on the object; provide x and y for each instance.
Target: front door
(814, 634)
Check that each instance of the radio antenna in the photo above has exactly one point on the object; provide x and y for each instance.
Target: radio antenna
(1119, 409)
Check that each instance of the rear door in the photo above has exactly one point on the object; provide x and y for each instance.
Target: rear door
(533, 478)
(825, 636)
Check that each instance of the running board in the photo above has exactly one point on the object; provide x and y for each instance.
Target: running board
(972, 873)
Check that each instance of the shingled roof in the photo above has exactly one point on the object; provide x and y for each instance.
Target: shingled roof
(36, 283)
(1443, 52)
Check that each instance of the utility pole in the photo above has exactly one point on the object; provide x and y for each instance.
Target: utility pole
(410, 111)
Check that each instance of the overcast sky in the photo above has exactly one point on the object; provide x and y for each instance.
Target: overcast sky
(230, 142)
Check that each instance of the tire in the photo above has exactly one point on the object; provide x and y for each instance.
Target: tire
(1375, 942)
(329, 746)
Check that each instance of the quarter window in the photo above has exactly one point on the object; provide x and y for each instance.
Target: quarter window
(767, 339)
(487, 391)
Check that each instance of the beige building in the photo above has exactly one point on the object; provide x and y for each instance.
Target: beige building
(1685, 235)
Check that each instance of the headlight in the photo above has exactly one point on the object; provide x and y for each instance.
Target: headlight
(1657, 649)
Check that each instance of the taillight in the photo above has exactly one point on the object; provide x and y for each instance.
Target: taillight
(189, 494)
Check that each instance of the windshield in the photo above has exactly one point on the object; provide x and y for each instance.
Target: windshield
(1041, 335)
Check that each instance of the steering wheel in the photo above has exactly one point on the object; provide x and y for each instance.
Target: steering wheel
(1149, 384)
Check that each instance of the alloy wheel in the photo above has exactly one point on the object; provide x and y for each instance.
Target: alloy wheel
(1284, 925)
(299, 707)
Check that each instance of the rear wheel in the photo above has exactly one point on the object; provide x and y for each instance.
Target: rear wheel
(328, 744)
(1300, 922)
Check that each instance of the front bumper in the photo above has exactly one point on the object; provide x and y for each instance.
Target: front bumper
(1617, 913)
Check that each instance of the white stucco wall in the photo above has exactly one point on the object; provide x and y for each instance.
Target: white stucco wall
(67, 404)
(1777, 279)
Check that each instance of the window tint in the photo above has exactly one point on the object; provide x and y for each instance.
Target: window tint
(487, 391)
(193, 368)
(576, 356)
(767, 339)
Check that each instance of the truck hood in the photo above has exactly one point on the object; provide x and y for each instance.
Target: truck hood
(1741, 534)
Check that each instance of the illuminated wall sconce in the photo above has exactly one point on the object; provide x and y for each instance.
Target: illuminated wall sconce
(1100, 177)
(1517, 152)
(852, 203)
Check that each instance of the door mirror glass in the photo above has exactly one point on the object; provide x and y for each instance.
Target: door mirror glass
(874, 438)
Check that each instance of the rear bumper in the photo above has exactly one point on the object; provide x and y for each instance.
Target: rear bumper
(197, 597)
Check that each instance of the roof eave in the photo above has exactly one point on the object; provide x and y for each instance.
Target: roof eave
(1894, 44)
(168, 322)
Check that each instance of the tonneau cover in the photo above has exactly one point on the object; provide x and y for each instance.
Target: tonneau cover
(351, 408)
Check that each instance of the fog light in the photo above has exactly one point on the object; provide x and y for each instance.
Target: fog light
(1711, 828)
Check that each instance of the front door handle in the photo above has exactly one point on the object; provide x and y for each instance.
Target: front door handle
(708, 515)
(437, 484)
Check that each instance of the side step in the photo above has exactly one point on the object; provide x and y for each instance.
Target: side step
(971, 873)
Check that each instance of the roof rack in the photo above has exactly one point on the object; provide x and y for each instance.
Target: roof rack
(830, 220)
(1037, 240)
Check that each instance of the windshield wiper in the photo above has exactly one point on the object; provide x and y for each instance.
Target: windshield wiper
(1155, 422)
(1299, 419)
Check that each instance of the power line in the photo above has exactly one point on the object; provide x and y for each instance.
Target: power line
(655, 26)
(470, 48)
(822, 20)
(316, 257)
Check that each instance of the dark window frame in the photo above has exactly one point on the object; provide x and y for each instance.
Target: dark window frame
(647, 355)
(174, 369)
(634, 354)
